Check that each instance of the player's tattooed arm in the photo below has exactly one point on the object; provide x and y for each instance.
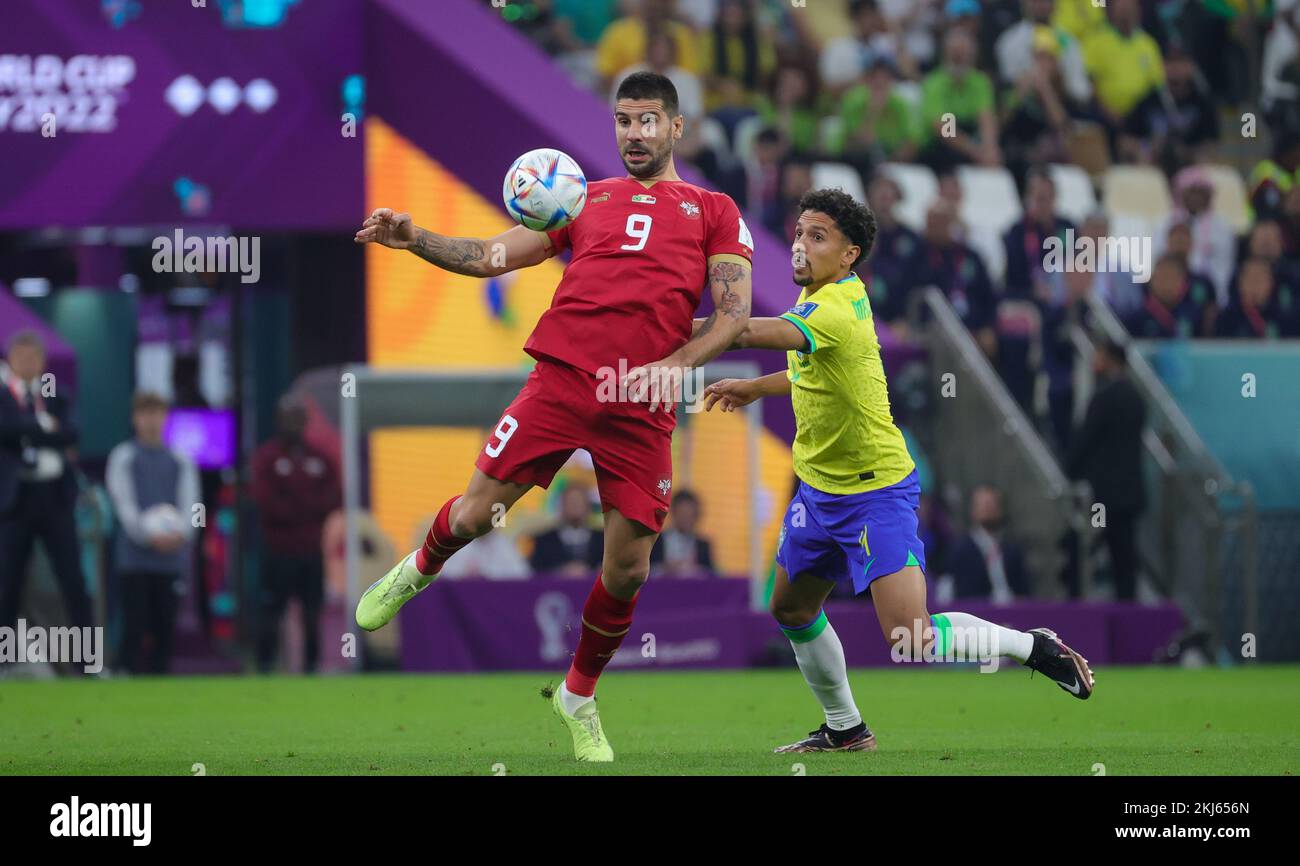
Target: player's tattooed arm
(730, 284)
(466, 256)
(511, 250)
(473, 257)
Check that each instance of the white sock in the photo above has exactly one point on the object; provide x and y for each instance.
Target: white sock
(977, 637)
(414, 574)
(571, 702)
(820, 654)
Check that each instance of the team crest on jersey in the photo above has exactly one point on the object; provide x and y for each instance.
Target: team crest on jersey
(803, 310)
(665, 484)
(604, 196)
(691, 209)
(643, 199)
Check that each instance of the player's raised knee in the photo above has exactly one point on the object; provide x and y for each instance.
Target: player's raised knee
(626, 574)
(473, 518)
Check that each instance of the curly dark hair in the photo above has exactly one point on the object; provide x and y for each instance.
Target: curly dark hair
(856, 221)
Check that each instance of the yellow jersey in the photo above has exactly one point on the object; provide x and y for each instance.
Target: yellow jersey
(846, 440)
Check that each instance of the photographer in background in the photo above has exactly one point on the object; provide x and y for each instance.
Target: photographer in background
(38, 490)
(154, 490)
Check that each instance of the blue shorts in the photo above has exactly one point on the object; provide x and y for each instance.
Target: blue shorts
(859, 535)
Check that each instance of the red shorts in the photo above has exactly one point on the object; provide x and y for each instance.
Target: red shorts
(557, 412)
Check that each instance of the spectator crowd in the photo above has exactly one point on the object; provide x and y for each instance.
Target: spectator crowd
(771, 90)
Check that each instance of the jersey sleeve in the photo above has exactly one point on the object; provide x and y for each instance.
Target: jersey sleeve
(824, 326)
(728, 234)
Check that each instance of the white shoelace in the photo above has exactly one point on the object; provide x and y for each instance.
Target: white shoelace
(401, 584)
(592, 724)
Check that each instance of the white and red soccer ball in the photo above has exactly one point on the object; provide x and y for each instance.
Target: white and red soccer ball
(544, 190)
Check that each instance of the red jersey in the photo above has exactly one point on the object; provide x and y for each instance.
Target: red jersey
(639, 268)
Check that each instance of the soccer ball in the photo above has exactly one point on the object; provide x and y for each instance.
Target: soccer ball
(162, 519)
(544, 190)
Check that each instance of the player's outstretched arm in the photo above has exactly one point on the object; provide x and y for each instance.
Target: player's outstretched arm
(731, 394)
(765, 333)
(515, 248)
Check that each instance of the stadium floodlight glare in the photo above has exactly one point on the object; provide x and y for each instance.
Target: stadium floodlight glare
(31, 287)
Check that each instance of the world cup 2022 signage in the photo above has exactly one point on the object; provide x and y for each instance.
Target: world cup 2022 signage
(80, 93)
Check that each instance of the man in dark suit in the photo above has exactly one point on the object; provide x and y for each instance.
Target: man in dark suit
(984, 563)
(681, 551)
(1107, 452)
(38, 490)
(572, 549)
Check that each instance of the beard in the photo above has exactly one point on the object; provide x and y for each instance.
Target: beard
(651, 167)
(804, 281)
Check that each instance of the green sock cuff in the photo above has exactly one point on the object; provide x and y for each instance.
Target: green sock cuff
(942, 633)
(809, 632)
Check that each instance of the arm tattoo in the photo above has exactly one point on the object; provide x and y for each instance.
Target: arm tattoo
(707, 326)
(458, 255)
(730, 304)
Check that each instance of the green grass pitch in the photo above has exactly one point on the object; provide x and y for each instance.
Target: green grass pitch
(1140, 721)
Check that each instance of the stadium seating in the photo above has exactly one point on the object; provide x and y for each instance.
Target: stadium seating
(918, 186)
(746, 135)
(1135, 193)
(838, 175)
(713, 135)
(1075, 196)
(988, 197)
(1230, 200)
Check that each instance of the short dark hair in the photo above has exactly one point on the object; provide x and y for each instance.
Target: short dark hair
(649, 85)
(26, 337)
(1038, 172)
(145, 401)
(854, 220)
(686, 496)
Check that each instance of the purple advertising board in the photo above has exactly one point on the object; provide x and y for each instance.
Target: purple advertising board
(477, 625)
(127, 112)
